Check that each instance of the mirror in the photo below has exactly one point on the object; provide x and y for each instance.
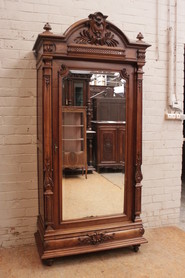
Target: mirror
(93, 134)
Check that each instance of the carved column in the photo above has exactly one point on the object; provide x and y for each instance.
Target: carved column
(138, 153)
(48, 171)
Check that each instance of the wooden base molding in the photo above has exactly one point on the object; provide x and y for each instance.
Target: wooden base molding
(79, 244)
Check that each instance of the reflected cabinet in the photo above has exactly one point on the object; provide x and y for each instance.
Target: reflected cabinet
(89, 139)
(110, 145)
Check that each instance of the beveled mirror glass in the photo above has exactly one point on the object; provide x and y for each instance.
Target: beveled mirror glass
(93, 144)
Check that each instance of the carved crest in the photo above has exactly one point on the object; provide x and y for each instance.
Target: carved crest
(96, 238)
(97, 32)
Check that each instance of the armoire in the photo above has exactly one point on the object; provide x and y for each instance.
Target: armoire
(89, 138)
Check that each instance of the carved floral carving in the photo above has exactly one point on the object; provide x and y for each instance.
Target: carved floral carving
(141, 54)
(48, 181)
(97, 32)
(138, 173)
(124, 73)
(47, 80)
(48, 194)
(63, 69)
(96, 238)
(140, 85)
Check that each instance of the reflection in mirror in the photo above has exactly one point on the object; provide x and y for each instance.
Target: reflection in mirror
(93, 144)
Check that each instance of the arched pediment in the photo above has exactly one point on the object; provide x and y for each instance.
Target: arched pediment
(90, 38)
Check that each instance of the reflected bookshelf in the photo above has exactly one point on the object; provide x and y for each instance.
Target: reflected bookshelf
(74, 146)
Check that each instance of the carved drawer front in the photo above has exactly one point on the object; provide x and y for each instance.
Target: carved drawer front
(96, 239)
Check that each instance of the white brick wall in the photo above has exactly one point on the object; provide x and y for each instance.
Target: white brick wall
(20, 22)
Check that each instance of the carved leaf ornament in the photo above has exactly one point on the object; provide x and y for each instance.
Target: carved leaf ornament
(138, 173)
(97, 33)
(96, 238)
(48, 182)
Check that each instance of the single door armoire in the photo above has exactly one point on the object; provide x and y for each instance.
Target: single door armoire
(89, 139)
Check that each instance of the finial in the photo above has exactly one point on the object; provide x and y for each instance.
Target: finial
(47, 27)
(140, 36)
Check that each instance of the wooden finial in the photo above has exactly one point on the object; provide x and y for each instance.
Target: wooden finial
(47, 27)
(140, 36)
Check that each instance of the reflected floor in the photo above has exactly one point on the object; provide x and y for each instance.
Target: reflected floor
(115, 178)
(100, 194)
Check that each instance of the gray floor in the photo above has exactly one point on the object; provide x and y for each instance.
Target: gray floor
(182, 211)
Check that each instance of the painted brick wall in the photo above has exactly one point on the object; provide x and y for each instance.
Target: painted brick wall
(20, 22)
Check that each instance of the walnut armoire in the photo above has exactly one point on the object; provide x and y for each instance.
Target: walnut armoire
(89, 48)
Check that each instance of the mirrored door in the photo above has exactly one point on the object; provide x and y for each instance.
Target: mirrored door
(93, 156)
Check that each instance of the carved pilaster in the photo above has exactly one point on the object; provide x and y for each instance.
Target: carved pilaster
(47, 114)
(138, 156)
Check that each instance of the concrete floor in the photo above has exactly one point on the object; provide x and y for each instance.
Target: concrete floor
(162, 256)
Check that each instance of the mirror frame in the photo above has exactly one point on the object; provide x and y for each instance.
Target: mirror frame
(89, 44)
